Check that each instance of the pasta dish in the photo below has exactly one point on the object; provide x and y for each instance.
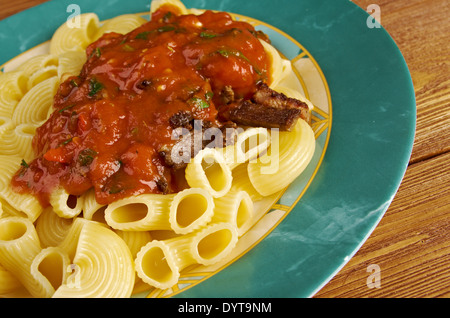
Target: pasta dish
(135, 149)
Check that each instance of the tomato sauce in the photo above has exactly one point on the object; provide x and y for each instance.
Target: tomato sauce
(110, 121)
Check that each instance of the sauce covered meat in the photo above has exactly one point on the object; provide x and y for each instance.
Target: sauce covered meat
(111, 121)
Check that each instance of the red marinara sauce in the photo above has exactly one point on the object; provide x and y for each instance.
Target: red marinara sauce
(110, 121)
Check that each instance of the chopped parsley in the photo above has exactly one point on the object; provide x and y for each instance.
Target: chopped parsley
(227, 53)
(24, 167)
(98, 52)
(128, 48)
(86, 156)
(66, 108)
(207, 35)
(167, 16)
(209, 96)
(143, 35)
(94, 87)
(24, 164)
(164, 28)
(198, 102)
(115, 189)
(134, 130)
(65, 142)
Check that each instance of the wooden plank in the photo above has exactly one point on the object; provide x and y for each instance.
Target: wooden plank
(411, 243)
(8, 8)
(421, 29)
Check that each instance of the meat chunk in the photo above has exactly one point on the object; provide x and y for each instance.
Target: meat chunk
(178, 155)
(227, 95)
(182, 119)
(252, 114)
(267, 108)
(189, 142)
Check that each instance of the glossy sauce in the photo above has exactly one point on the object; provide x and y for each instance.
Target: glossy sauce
(110, 121)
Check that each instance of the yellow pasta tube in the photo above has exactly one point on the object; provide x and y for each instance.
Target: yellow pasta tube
(92, 210)
(249, 144)
(13, 85)
(159, 263)
(64, 204)
(208, 170)
(42, 75)
(49, 268)
(135, 240)
(19, 245)
(37, 103)
(156, 4)
(70, 63)
(20, 204)
(51, 228)
(284, 163)
(280, 67)
(24, 134)
(32, 65)
(37, 63)
(70, 242)
(235, 208)
(103, 266)
(6, 124)
(8, 210)
(75, 34)
(241, 182)
(8, 282)
(191, 209)
(143, 212)
(17, 141)
(213, 243)
(122, 24)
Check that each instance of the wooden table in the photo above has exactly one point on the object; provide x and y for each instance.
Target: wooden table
(411, 245)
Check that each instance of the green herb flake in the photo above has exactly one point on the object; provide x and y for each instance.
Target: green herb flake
(24, 164)
(134, 130)
(66, 108)
(167, 16)
(209, 96)
(224, 53)
(227, 53)
(166, 28)
(86, 156)
(23, 169)
(207, 35)
(143, 35)
(115, 189)
(128, 48)
(65, 142)
(198, 102)
(94, 87)
(97, 52)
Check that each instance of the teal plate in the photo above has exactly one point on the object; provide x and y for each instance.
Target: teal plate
(365, 141)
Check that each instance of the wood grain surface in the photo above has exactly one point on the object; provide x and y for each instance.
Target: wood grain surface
(411, 244)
